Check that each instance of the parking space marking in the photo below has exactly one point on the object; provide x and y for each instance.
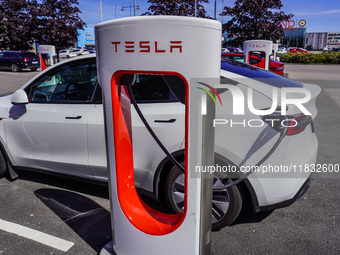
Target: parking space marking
(334, 93)
(35, 235)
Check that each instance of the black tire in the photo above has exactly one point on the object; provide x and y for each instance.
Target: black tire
(14, 68)
(3, 165)
(227, 203)
(33, 69)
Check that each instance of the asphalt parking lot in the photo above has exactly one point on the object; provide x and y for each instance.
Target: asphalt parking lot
(72, 217)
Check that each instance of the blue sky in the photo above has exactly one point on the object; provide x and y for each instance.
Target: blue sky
(320, 16)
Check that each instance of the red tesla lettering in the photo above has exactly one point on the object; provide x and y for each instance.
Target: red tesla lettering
(156, 48)
(143, 45)
(129, 46)
(116, 45)
(176, 46)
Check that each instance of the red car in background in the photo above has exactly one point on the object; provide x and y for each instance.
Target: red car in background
(296, 50)
(256, 60)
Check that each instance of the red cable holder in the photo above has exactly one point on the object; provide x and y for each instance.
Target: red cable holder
(136, 211)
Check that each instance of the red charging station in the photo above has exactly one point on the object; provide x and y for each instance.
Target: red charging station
(46, 52)
(132, 53)
(262, 49)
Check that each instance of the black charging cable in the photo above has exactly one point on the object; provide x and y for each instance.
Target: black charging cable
(245, 176)
(176, 163)
(154, 136)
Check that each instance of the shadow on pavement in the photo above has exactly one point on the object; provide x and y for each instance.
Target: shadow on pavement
(85, 217)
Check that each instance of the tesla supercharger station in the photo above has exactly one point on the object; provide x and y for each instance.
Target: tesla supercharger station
(275, 49)
(180, 50)
(48, 51)
(263, 47)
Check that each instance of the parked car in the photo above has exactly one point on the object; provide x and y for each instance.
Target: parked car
(296, 50)
(91, 50)
(67, 54)
(55, 124)
(17, 60)
(256, 60)
(282, 50)
(79, 52)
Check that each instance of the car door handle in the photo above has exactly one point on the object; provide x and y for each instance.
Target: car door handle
(165, 121)
(73, 118)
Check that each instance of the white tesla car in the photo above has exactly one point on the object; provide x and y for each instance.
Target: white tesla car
(54, 124)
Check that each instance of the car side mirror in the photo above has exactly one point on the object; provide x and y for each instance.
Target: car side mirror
(19, 97)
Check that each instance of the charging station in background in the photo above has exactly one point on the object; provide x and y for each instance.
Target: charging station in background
(259, 49)
(46, 52)
(133, 53)
(274, 52)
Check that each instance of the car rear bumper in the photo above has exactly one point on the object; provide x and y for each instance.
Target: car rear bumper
(293, 157)
(288, 202)
(30, 65)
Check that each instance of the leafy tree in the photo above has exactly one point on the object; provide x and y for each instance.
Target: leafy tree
(13, 21)
(255, 19)
(59, 23)
(53, 22)
(177, 8)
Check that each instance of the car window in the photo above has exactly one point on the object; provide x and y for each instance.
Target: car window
(239, 58)
(70, 83)
(153, 89)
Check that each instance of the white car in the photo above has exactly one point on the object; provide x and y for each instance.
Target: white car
(282, 51)
(67, 54)
(79, 52)
(55, 124)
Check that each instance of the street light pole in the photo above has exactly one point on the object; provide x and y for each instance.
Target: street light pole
(134, 8)
(101, 11)
(115, 11)
(195, 8)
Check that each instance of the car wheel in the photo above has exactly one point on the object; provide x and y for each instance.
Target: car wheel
(3, 165)
(33, 69)
(15, 68)
(226, 203)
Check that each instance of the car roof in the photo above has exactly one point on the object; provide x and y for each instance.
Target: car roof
(232, 53)
(259, 74)
(12, 51)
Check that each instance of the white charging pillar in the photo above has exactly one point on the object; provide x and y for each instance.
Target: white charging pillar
(263, 47)
(275, 49)
(182, 51)
(47, 50)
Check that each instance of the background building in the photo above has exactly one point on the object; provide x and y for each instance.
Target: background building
(333, 40)
(316, 41)
(86, 37)
(295, 37)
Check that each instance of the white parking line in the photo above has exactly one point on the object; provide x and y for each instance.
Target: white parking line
(35, 235)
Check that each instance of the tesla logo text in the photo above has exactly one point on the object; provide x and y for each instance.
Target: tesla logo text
(148, 46)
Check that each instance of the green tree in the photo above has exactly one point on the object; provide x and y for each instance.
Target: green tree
(177, 8)
(255, 19)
